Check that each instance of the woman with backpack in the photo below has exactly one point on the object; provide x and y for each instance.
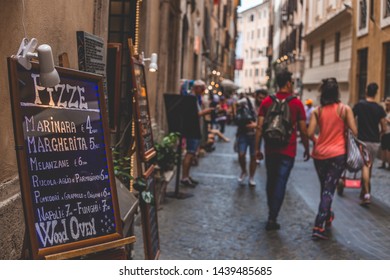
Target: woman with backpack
(329, 152)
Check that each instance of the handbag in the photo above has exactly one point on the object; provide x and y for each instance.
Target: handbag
(357, 152)
(355, 160)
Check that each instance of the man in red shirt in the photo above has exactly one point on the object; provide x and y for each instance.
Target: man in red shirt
(280, 160)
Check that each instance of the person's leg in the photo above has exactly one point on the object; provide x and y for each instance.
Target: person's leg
(242, 147)
(365, 179)
(192, 148)
(220, 135)
(222, 126)
(331, 172)
(387, 149)
(283, 172)
(271, 165)
(367, 171)
(388, 158)
(253, 163)
(320, 167)
(383, 153)
(186, 165)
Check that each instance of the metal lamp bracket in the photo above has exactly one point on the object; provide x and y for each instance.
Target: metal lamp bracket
(26, 52)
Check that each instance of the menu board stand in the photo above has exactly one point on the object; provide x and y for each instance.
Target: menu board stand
(145, 155)
(64, 161)
(182, 116)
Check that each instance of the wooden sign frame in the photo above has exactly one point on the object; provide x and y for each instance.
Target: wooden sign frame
(16, 85)
(141, 100)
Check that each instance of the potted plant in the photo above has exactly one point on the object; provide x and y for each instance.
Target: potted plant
(122, 167)
(167, 156)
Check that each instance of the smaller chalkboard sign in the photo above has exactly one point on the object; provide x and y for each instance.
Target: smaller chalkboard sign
(149, 217)
(114, 55)
(143, 120)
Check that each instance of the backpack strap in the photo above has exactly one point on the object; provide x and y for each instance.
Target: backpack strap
(249, 103)
(288, 99)
(274, 98)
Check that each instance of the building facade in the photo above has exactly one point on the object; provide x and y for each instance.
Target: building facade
(328, 37)
(253, 26)
(371, 48)
(287, 45)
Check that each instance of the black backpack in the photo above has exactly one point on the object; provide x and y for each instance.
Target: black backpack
(245, 114)
(277, 127)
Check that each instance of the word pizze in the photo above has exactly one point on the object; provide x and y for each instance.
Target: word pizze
(67, 96)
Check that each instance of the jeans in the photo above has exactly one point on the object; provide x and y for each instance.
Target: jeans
(278, 170)
(245, 141)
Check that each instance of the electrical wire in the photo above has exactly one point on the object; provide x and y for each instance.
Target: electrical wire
(23, 15)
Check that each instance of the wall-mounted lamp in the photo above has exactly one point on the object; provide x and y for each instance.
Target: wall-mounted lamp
(153, 67)
(48, 76)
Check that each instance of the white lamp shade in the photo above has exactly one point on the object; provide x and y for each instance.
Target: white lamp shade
(48, 74)
(153, 63)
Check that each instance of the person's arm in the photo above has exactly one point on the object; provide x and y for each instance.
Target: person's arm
(312, 125)
(305, 140)
(205, 111)
(383, 127)
(350, 120)
(259, 131)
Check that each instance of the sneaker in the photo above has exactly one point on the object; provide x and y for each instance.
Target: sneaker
(241, 178)
(366, 200)
(329, 220)
(319, 233)
(193, 181)
(272, 226)
(252, 182)
(187, 182)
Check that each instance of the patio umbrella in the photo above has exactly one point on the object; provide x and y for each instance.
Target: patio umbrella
(229, 85)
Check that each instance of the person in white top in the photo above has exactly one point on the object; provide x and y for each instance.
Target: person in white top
(308, 109)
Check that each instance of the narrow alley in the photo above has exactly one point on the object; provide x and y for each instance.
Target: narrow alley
(223, 220)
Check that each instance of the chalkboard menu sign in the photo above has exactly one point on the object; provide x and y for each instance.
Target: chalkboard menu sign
(65, 169)
(149, 219)
(91, 53)
(144, 124)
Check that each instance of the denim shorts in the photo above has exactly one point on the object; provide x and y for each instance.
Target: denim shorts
(192, 145)
(245, 141)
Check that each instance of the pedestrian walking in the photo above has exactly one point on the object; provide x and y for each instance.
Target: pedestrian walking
(260, 95)
(279, 158)
(245, 137)
(329, 153)
(192, 145)
(308, 109)
(385, 141)
(222, 111)
(370, 115)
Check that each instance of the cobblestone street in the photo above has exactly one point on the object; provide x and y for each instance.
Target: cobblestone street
(223, 220)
